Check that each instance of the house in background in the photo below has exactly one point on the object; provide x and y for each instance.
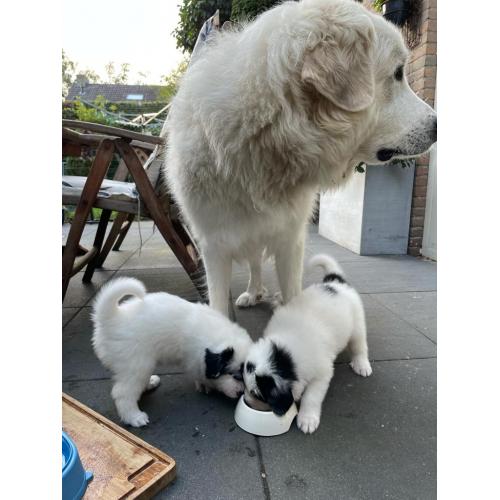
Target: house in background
(113, 92)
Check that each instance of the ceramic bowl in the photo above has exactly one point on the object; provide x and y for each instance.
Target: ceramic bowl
(263, 423)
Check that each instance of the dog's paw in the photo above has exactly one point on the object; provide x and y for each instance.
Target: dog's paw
(307, 422)
(246, 299)
(276, 300)
(154, 382)
(361, 366)
(138, 419)
(202, 387)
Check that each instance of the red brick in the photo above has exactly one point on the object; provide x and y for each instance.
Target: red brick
(415, 241)
(419, 191)
(418, 202)
(417, 221)
(418, 211)
(430, 71)
(431, 48)
(421, 180)
(430, 36)
(416, 231)
(429, 25)
(414, 251)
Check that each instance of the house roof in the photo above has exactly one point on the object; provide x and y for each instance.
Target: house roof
(113, 92)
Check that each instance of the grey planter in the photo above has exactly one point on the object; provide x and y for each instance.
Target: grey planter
(371, 214)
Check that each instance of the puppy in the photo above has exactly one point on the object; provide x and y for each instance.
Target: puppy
(294, 359)
(130, 338)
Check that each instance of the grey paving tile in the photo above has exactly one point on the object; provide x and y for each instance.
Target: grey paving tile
(172, 280)
(79, 293)
(68, 313)
(215, 459)
(376, 439)
(417, 308)
(386, 274)
(390, 337)
(78, 358)
(158, 256)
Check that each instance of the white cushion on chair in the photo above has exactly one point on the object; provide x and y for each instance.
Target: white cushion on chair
(113, 195)
(72, 186)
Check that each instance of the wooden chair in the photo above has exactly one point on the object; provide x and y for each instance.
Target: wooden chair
(141, 156)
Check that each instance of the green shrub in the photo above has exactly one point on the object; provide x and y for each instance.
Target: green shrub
(248, 9)
(192, 15)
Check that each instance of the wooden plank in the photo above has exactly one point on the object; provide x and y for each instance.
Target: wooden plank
(155, 209)
(124, 466)
(117, 132)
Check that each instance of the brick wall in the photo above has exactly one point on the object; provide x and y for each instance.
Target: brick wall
(421, 74)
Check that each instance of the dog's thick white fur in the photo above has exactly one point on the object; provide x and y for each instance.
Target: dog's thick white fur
(294, 359)
(266, 117)
(131, 337)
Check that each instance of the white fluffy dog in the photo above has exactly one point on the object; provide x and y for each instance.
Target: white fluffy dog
(294, 359)
(130, 338)
(267, 116)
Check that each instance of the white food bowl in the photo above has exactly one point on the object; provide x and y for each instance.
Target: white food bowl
(263, 423)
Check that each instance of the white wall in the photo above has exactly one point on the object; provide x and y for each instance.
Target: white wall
(341, 213)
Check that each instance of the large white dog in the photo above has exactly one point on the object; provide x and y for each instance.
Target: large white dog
(267, 116)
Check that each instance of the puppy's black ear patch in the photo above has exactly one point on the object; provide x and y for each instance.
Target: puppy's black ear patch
(282, 363)
(216, 362)
(279, 399)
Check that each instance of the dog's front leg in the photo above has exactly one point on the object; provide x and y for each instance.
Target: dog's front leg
(289, 263)
(310, 405)
(255, 290)
(218, 266)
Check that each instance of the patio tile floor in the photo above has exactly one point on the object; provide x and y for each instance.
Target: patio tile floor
(377, 437)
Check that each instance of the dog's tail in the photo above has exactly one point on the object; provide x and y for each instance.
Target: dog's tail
(331, 268)
(106, 304)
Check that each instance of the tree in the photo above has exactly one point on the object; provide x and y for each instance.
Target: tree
(121, 77)
(171, 81)
(68, 73)
(248, 9)
(193, 13)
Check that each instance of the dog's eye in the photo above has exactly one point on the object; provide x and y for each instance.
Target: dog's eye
(237, 376)
(250, 367)
(398, 75)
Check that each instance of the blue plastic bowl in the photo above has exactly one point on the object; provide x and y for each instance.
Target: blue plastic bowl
(74, 477)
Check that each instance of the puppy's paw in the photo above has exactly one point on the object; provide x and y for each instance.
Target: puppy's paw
(361, 366)
(307, 422)
(154, 382)
(202, 387)
(246, 299)
(138, 419)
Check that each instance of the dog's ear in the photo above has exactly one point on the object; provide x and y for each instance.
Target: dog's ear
(339, 65)
(278, 398)
(280, 401)
(216, 362)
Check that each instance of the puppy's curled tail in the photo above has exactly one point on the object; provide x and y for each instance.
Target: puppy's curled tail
(331, 268)
(106, 302)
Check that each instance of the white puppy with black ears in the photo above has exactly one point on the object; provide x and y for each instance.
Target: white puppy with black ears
(294, 359)
(131, 337)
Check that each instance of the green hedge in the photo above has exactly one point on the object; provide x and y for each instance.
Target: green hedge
(248, 9)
